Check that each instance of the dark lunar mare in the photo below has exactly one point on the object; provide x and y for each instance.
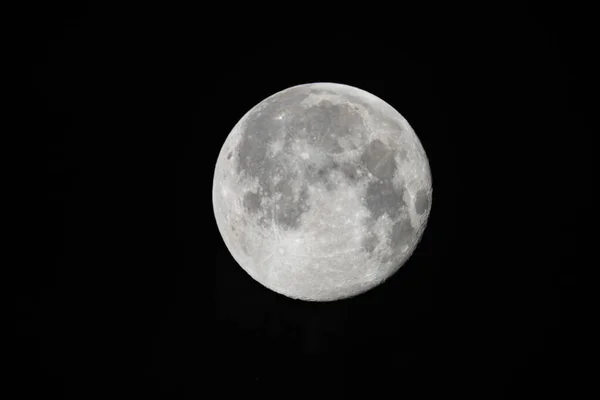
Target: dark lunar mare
(260, 130)
(383, 197)
(320, 125)
(421, 201)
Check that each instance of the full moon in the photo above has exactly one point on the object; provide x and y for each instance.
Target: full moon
(322, 191)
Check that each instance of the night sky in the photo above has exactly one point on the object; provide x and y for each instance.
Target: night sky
(137, 295)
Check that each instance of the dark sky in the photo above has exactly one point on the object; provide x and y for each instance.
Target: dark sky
(137, 293)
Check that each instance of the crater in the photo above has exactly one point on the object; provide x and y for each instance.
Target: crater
(382, 197)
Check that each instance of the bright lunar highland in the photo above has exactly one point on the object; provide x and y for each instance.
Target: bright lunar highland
(322, 191)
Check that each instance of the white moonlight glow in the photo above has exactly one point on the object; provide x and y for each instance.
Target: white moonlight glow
(322, 191)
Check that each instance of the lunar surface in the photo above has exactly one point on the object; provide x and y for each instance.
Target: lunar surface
(322, 191)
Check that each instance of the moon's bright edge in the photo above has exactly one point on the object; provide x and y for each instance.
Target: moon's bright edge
(322, 191)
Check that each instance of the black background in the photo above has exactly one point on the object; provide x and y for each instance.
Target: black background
(137, 295)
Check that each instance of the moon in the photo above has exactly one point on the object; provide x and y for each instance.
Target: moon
(322, 191)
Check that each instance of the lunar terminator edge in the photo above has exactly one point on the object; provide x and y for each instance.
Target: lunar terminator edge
(322, 191)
